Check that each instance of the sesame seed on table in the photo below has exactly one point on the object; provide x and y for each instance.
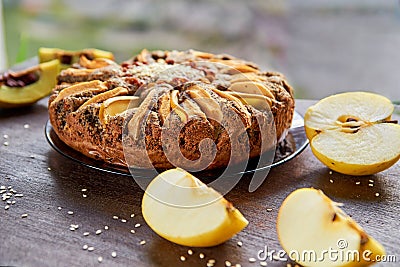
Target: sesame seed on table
(57, 212)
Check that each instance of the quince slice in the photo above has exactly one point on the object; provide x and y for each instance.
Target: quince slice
(18, 96)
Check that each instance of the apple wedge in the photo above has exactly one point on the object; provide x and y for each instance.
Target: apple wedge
(352, 133)
(183, 210)
(314, 231)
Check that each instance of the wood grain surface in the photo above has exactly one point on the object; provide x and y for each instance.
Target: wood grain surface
(51, 187)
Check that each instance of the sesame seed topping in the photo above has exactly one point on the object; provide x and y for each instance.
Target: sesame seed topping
(85, 247)
(90, 248)
(133, 231)
(19, 195)
(240, 243)
(49, 168)
(142, 242)
(358, 183)
(137, 225)
(228, 264)
(83, 189)
(377, 194)
(32, 156)
(115, 217)
(24, 215)
(113, 254)
(5, 136)
(190, 252)
(331, 181)
(100, 259)
(211, 261)
(238, 265)
(183, 258)
(2, 187)
(252, 260)
(371, 181)
(84, 195)
(123, 220)
(70, 212)
(105, 227)
(269, 209)
(371, 185)
(263, 263)
(330, 172)
(5, 143)
(6, 207)
(98, 232)
(59, 208)
(132, 215)
(201, 256)
(26, 126)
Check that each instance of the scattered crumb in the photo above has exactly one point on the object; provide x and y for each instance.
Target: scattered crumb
(269, 209)
(240, 243)
(263, 263)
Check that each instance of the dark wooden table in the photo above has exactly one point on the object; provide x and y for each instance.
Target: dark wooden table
(36, 229)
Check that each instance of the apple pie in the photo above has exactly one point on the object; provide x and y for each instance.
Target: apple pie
(165, 109)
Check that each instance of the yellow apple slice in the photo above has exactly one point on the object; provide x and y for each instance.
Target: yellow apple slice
(311, 228)
(352, 133)
(183, 210)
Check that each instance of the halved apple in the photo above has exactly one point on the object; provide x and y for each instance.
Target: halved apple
(183, 210)
(44, 78)
(314, 231)
(352, 133)
(68, 57)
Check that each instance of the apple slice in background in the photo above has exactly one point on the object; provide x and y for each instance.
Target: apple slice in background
(314, 231)
(352, 133)
(183, 210)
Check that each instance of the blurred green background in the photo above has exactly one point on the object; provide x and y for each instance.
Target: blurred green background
(322, 46)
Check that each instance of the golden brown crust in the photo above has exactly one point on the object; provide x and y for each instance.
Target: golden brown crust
(182, 96)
